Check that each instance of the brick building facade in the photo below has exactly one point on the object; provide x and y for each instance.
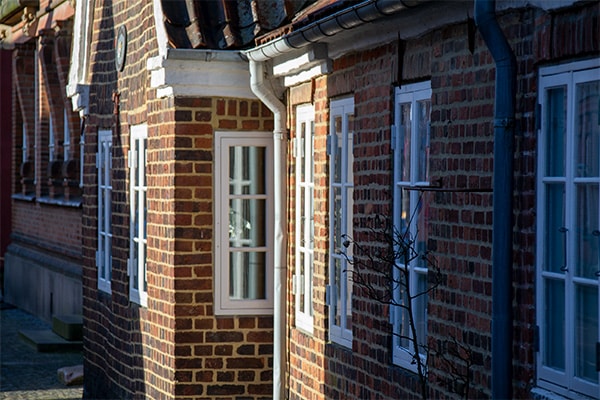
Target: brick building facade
(258, 192)
(42, 264)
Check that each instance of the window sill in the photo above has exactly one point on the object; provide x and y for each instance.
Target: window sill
(23, 197)
(75, 203)
(538, 393)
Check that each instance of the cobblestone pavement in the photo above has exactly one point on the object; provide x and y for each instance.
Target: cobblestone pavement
(25, 373)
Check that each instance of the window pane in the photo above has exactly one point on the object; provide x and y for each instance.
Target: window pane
(587, 231)
(586, 332)
(310, 137)
(350, 117)
(422, 220)
(337, 151)
(143, 161)
(556, 117)
(247, 170)
(405, 212)
(554, 330)
(300, 281)
(405, 140)
(101, 247)
(301, 152)
(423, 109)
(554, 250)
(248, 275)
(145, 211)
(302, 231)
(402, 314)
(308, 285)
(311, 221)
(337, 219)
(420, 310)
(337, 292)
(247, 219)
(134, 267)
(348, 283)
(587, 133)
(136, 149)
(144, 265)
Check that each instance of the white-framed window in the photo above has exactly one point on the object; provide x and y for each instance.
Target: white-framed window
(138, 285)
(411, 214)
(341, 189)
(304, 221)
(568, 226)
(104, 252)
(244, 217)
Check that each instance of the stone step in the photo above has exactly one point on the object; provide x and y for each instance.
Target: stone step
(71, 376)
(69, 327)
(46, 341)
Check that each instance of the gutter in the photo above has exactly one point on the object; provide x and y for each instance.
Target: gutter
(503, 186)
(348, 18)
(266, 94)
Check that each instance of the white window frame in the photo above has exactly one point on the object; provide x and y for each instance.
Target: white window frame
(563, 382)
(104, 252)
(137, 159)
(302, 285)
(226, 243)
(341, 185)
(407, 94)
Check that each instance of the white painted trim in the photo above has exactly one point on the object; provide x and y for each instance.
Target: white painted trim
(77, 89)
(161, 32)
(324, 68)
(200, 73)
(292, 63)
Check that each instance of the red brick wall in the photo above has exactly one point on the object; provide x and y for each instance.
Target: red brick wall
(461, 220)
(175, 347)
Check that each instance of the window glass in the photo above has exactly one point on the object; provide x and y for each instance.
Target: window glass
(556, 139)
(555, 228)
(587, 129)
(243, 223)
(586, 332)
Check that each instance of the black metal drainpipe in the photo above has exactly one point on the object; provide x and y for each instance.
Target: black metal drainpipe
(504, 115)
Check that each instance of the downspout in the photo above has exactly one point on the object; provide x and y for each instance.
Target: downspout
(266, 94)
(504, 115)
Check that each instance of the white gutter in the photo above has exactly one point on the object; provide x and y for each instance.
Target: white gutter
(348, 18)
(267, 95)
